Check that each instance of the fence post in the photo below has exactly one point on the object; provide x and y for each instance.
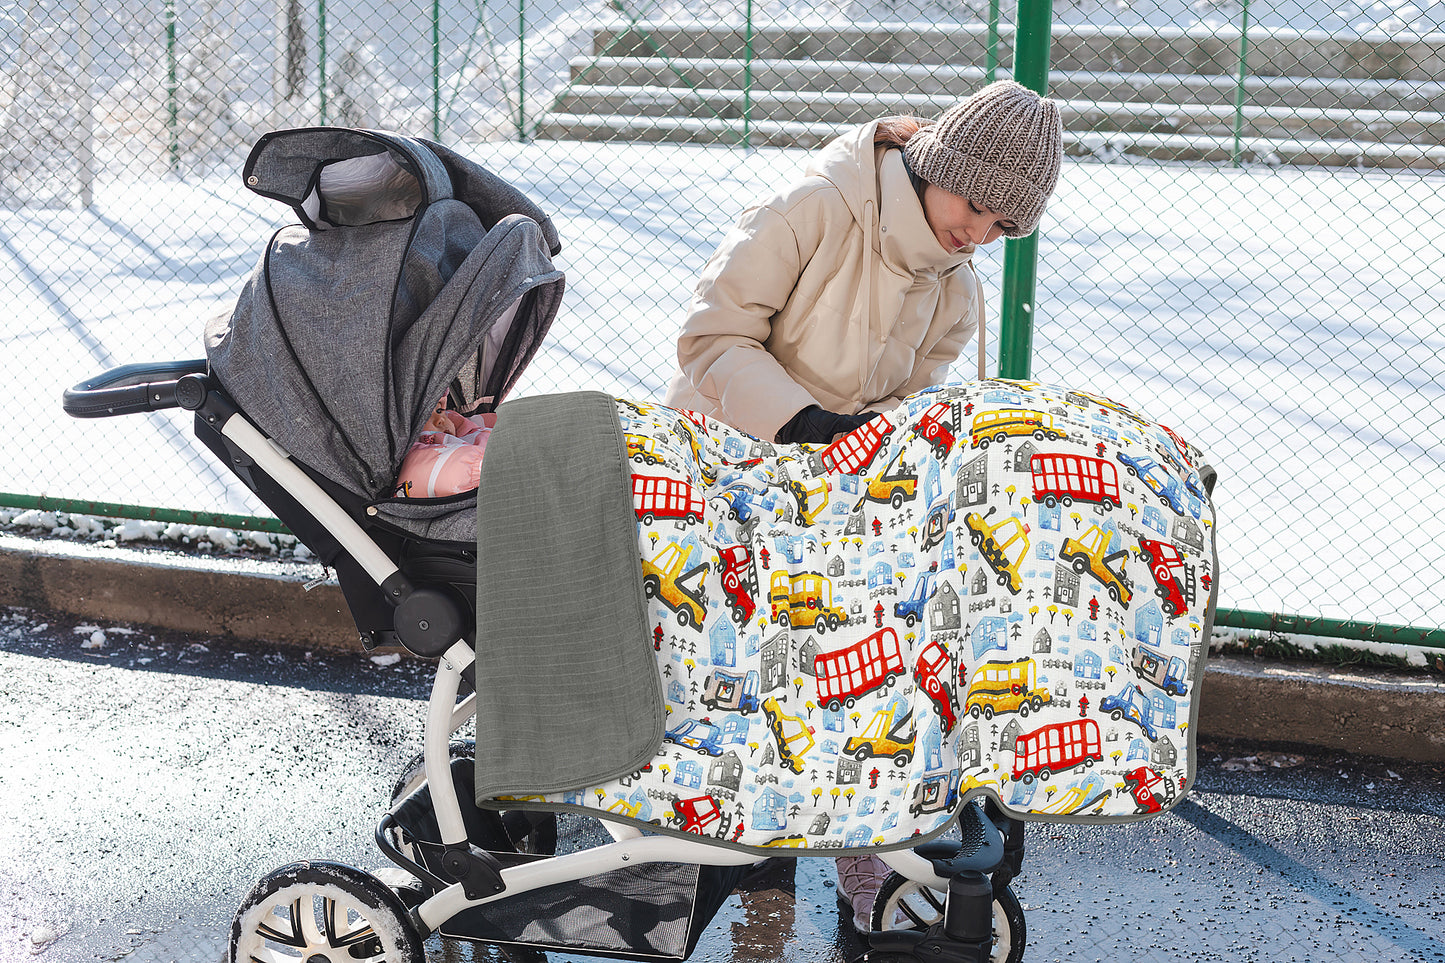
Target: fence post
(991, 56)
(1239, 87)
(521, 70)
(1032, 40)
(321, 56)
(172, 84)
(436, 71)
(86, 107)
(748, 78)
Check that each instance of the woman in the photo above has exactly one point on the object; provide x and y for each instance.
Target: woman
(854, 287)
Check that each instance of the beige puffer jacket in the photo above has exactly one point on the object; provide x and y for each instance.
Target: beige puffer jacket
(795, 308)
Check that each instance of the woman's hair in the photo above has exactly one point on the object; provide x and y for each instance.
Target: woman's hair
(897, 130)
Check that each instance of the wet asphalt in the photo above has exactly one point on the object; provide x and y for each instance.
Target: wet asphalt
(149, 779)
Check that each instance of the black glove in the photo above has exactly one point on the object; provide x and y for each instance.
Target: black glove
(815, 425)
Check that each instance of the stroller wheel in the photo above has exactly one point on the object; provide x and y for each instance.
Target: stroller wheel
(903, 904)
(321, 910)
(413, 774)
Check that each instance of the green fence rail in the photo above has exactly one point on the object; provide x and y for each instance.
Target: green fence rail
(1244, 238)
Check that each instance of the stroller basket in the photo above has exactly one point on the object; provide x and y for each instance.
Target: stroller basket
(653, 911)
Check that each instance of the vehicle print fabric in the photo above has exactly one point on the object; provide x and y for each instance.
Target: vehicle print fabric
(997, 587)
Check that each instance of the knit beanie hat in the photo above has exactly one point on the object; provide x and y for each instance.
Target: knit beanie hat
(1001, 148)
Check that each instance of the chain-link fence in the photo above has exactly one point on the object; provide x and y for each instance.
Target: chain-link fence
(1245, 243)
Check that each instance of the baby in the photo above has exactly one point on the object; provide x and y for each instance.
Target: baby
(446, 458)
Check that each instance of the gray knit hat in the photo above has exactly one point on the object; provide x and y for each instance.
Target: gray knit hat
(1001, 148)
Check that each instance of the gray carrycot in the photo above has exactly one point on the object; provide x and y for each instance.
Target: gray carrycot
(414, 273)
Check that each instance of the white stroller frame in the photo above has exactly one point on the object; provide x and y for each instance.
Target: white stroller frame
(963, 929)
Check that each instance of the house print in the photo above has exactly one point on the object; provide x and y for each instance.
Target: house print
(1009, 737)
(723, 643)
(1050, 519)
(880, 579)
(734, 729)
(761, 449)
(807, 652)
(726, 772)
(972, 487)
(945, 611)
(1043, 642)
(1187, 532)
(770, 812)
(688, 773)
(1066, 586)
(1088, 664)
(774, 664)
(1165, 753)
(850, 772)
(1162, 710)
(1149, 625)
(1023, 458)
(970, 753)
(931, 746)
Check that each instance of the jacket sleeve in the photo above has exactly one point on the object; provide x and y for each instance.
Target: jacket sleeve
(932, 368)
(721, 349)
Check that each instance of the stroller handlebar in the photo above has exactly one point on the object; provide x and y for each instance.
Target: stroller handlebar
(133, 388)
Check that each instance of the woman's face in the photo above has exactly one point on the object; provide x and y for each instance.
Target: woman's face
(957, 222)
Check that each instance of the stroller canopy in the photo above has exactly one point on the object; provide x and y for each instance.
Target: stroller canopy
(414, 272)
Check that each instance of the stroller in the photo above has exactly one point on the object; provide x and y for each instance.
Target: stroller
(463, 261)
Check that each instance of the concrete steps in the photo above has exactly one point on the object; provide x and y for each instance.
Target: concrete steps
(1371, 103)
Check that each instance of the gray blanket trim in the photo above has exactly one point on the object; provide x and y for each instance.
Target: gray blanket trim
(568, 693)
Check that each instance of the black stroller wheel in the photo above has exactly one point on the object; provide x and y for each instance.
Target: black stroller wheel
(413, 774)
(322, 910)
(511, 831)
(903, 904)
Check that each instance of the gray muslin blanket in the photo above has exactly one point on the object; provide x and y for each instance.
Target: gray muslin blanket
(568, 693)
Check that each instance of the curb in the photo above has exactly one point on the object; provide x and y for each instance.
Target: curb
(1376, 713)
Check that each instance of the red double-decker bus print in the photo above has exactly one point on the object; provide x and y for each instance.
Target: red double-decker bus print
(1067, 478)
(656, 496)
(1055, 748)
(845, 675)
(857, 448)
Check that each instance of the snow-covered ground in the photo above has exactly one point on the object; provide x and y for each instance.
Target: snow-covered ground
(1288, 322)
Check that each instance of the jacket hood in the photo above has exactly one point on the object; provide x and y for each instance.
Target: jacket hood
(850, 162)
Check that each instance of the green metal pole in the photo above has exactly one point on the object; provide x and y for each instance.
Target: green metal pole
(172, 88)
(436, 70)
(1239, 87)
(1021, 255)
(321, 55)
(521, 69)
(748, 78)
(991, 55)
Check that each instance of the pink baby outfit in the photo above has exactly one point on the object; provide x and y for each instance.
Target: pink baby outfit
(446, 458)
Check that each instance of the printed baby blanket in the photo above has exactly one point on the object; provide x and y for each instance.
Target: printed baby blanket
(999, 587)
